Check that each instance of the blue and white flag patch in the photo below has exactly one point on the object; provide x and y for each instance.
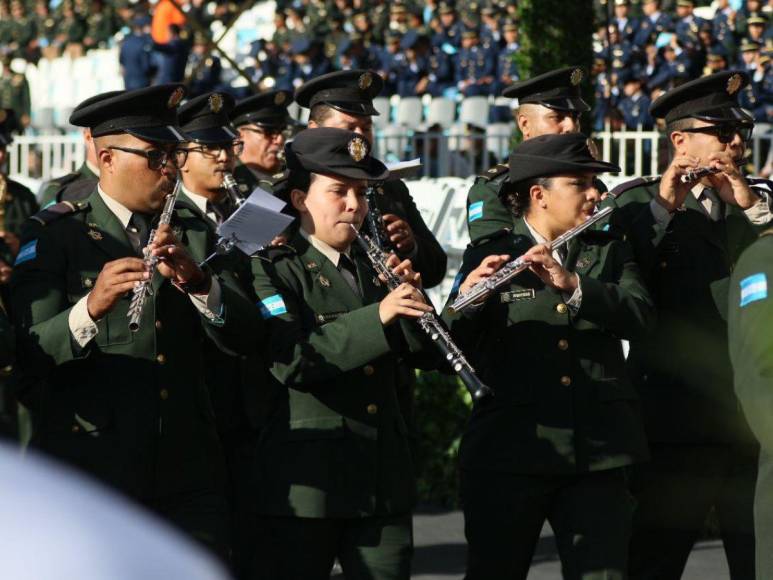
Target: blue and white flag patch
(475, 211)
(272, 306)
(27, 252)
(754, 288)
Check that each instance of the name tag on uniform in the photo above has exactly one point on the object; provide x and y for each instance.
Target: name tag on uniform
(475, 212)
(754, 288)
(517, 295)
(272, 306)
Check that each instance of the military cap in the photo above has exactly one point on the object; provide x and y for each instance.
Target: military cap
(8, 124)
(709, 98)
(756, 18)
(446, 8)
(470, 33)
(748, 45)
(332, 151)
(267, 109)
(548, 155)
(398, 9)
(685, 3)
(717, 53)
(510, 25)
(488, 11)
(557, 89)
(205, 118)
(349, 91)
(149, 113)
(621, 2)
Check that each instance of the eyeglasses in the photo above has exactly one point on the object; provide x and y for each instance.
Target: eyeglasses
(725, 132)
(157, 158)
(213, 151)
(268, 133)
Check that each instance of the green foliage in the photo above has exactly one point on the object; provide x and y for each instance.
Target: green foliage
(442, 408)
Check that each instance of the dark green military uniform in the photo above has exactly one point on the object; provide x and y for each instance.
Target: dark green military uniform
(751, 352)
(74, 186)
(558, 90)
(703, 454)
(564, 422)
(336, 477)
(131, 408)
(14, 93)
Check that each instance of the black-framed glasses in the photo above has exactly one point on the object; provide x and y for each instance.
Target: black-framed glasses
(269, 133)
(725, 132)
(157, 158)
(213, 151)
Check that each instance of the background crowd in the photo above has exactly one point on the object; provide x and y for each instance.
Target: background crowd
(436, 48)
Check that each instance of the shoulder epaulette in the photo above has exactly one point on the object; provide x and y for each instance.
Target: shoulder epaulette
(58, 210)
(632, 184)
(63, 180)
(486, 238)
(494, 172)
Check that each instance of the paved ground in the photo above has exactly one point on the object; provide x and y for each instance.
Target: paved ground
(440, 553)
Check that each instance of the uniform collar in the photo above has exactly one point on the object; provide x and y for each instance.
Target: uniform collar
(323, 248)
(118, 209)
(198, 200)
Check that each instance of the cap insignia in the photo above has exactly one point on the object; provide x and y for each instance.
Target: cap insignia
(593, 149)
(175, 98)
(576, 77)
(365, 80)
(358, 149)
(733, 84)
(3, 116)
(215, 102)
(280, 98)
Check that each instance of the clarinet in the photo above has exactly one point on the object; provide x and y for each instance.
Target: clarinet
(428, 322)
(232, 189)
(486, 287)
(376, 221)
(142, 289)
(694, 175)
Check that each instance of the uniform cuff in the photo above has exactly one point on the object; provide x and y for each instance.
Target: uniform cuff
(82, 327)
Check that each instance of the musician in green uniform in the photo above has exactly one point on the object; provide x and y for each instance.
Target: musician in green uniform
(336, 478)
(237, 385)
(556, 439)
(130, 407)
(751, 353)
(262, 122)
(547, 104)
(687, 234)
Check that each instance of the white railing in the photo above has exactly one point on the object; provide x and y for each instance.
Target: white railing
(41, 157)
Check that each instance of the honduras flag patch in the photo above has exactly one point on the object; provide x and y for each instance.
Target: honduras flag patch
(272, 306)
(475, 212)
(754, 288)
(27, 252)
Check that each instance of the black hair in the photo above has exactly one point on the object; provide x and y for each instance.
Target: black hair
(517, 195)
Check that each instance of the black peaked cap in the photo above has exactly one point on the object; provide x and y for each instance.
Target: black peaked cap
(268, 109)
(149, 113)
(557, 89)
(348, 91)
(548, 155)
(205, 118)
(336, 152)
(709, 98)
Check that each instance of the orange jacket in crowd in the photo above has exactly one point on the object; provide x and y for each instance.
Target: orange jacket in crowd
(164, 15)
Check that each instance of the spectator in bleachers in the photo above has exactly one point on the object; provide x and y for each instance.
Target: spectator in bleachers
(308, 62)
(724, 23)
(475, 67)
(353, 54)
(22, 32)
(136, 55)
(688, 25)
(172, 57)
(653, 23)
(164, 15)
(45, 30)
(603, 93)
(670, 68)
(448, 36)
(756, 26)
(70, 31)
(203, 68)
(507, 68)
(389, 60)
(635, 106)
(749, 55)
(100, 26)
(412, 67)
(626, 26)
(716, 61)
(491, 34)
(15, 93)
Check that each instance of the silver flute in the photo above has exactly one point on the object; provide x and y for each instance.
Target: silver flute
(143, 289)
(428, 322)
(694, 175)
(483, 289)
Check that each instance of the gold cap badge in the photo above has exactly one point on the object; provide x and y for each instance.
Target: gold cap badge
(576, 77)
(358, 149)
(733, 84)
(593, 149)
(175, 98)
(215, 102)
(280, 98)
(365, 80)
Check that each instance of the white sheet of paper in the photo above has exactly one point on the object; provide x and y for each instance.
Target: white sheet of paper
(256, 222)
(403, 169)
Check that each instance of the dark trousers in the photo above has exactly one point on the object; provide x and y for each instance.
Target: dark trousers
(504, 513)
(675, 493)
(373, 548)
(201, 515)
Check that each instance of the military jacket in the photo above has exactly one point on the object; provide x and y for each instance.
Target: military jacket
(75, 186)
(486, 214)
(336, 445)
(18, 205)
(682, 370)
(750, 320)
(247, 179)
(15, 94)
(562, 400)
(131, 408)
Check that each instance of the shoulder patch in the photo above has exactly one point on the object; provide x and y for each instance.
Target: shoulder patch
(632, 184)
(272, 306)
(495, 172)
(27, 252)
(58, 210)
(754, 288)
(475, 211)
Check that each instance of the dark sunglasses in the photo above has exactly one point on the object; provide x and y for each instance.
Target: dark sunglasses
(212, 151)
(725, 132)
(157, 158)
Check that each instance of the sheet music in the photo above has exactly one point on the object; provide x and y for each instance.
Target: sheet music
(256, 222)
